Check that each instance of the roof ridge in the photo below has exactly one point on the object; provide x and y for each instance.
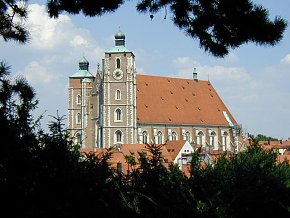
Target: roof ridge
(166, 77)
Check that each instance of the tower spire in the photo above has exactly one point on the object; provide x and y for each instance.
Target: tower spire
(83, 64)
(119, 38)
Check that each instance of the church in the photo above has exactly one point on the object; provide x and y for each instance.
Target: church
(116, 105)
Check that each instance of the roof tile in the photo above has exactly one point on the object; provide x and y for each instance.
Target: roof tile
(179, 101)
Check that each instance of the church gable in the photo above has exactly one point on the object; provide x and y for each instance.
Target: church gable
(164, 100)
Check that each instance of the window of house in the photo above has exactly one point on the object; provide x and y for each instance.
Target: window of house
(145, 137)
(118, 63)
(118, 115)
(78, 118)
(159, 137)
(174, 136)
(187, 136)
(118, 95)
(79, 99)
(118, 136)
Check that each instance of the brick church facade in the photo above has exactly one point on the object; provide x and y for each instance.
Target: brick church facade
(119, 106)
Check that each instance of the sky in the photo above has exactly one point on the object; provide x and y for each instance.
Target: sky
(253, 81)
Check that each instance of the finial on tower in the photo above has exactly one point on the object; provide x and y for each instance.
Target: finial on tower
(83, 64)
(194, 75)
(119, 38)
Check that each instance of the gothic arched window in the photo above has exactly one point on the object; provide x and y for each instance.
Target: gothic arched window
(199, 138)
(174, 136)
(78, 118)
(118, 136)
(212, 139)
(159, 137)
(79, 99)
(78, 138)
(187, 136)
(118, 95)
(145, 137)
(118, 114)
(118, 63)
(225, 140)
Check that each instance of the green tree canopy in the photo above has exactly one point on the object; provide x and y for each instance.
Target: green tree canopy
(261, 137)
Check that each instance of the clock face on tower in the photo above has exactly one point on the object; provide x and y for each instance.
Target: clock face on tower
(118, 74)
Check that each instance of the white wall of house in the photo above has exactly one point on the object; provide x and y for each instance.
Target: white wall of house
(186, 149)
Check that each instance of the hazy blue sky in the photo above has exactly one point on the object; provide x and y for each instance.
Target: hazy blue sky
(253, 81)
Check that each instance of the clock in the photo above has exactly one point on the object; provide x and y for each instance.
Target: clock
(118, 74)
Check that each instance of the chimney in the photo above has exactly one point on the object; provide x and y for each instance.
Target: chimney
(194, 75)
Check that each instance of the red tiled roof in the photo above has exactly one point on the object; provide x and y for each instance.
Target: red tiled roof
(118, 154)
(275, 144)
(174, 147)
(128, 149)
(282, 158)
(164, 100)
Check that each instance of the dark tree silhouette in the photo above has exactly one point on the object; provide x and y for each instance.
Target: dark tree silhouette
(12, 14)
(218, 25)
(248, 184)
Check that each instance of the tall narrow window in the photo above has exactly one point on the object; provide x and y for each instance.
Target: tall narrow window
(187, 136)
(199, 138)
(118, 136)
(145, 137)
(78, 118)
(225, 140)
(78, 138)
(79, 99)
(174, 136)
(118, 95)
(159, 138)
(118, 114)
(212, 141)
(118, 63)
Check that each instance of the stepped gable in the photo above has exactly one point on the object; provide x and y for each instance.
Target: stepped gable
(164, 100)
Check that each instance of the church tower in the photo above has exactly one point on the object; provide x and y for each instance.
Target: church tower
(119, 95)
(80, 88)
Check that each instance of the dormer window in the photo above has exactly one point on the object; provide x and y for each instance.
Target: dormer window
(118, 63)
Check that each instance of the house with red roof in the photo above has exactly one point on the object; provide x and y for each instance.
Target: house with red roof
(117, 105)
(121, 155)
(282, 147)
